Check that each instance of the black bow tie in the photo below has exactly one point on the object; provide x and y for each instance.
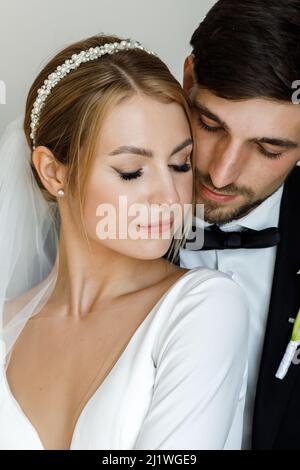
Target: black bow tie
(217, 239)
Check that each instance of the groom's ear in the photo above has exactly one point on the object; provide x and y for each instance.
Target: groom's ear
(188, 73)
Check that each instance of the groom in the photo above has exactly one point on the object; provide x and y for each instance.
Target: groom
(245, 58)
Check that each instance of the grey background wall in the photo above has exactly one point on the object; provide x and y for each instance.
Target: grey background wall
(32, 31)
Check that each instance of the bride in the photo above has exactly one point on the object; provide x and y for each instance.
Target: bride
(105, 344)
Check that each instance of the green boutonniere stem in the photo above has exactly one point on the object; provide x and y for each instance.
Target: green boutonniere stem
(290, 350)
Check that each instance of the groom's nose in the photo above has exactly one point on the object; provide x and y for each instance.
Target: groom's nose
(226, 163)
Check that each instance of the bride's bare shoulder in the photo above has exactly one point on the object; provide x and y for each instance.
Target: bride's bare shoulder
(15, 305)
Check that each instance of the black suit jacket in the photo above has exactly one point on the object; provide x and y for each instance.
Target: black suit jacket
(276, 422)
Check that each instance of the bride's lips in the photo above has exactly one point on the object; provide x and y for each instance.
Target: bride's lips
(161, 226)
(208, 194)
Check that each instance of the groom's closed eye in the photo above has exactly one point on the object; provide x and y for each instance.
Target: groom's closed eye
(208, 124)
(208, 120)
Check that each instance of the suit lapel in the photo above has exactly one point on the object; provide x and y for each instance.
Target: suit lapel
(273, 394)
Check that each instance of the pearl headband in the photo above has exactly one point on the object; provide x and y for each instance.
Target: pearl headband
(74, 62)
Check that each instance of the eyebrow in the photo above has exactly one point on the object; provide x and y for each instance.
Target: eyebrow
(285, 143)
(146, 152)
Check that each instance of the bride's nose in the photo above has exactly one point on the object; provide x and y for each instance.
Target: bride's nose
(163, 189)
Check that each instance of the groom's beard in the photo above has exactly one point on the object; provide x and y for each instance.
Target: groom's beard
(222, 213)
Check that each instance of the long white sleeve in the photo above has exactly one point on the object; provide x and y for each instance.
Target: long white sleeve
(201, 371)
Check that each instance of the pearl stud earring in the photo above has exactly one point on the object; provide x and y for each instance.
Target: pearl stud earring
(60, 193)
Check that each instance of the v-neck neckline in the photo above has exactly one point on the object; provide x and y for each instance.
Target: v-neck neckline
(100, 387)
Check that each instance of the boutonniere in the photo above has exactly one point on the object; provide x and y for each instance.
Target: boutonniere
(291, 348)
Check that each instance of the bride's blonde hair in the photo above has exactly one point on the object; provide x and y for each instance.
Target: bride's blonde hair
(74, 111)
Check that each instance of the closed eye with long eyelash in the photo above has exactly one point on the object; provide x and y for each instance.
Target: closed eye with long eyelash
(130, 176)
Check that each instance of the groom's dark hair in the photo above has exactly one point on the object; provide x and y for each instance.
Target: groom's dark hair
(249, 48)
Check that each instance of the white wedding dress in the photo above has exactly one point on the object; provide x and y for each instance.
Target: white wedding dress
(179, 384)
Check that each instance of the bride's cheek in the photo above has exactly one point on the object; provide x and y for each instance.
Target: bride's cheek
(185, 188)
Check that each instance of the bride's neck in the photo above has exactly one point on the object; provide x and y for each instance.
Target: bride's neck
(89, 274)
